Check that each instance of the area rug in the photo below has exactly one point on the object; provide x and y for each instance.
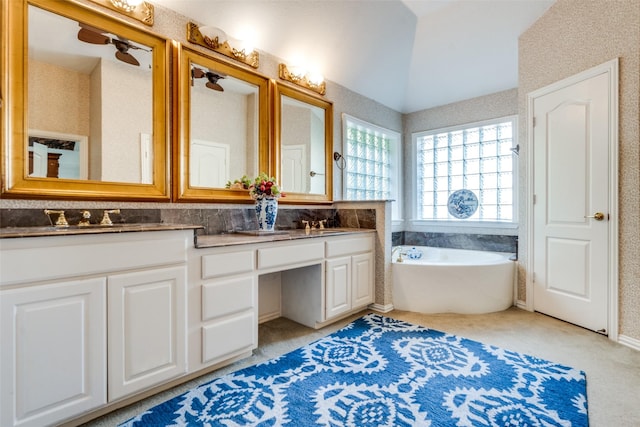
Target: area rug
(379, 371)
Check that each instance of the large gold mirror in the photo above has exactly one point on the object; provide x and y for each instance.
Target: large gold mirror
(303, 145)
(86, 112)
(224, 127)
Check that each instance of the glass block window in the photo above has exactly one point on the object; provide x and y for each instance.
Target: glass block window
(371, 161)
(475, 157)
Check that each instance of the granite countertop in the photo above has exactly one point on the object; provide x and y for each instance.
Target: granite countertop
(14, 232)
(245, 238)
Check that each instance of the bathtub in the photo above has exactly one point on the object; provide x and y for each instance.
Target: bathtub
(438, 280)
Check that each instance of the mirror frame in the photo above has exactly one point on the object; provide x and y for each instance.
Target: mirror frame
(16, 182)
(183, 192)
(316, 101)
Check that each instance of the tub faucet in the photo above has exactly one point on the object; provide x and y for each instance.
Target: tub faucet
(400, 259)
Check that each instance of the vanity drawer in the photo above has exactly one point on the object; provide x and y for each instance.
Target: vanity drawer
(290, 255)
(227, 296)
(224, 264)
(227, 338)
(351, 245)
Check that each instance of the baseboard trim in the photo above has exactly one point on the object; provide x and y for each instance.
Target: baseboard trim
(522, 304)
(629, 342)
(381, 308)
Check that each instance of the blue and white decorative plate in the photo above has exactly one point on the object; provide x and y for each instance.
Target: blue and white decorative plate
(462, 204)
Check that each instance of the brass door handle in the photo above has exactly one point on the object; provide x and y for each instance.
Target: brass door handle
(598, 216)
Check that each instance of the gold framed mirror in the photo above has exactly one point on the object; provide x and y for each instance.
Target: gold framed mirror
(224, 128)
(303, 145)
(86, 105)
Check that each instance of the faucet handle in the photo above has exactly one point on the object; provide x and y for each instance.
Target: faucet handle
(61, 221)
(322, 222)
(84, 221)
(105, 216)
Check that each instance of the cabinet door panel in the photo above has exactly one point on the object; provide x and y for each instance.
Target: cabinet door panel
(362, 280)
(338, 286)
(147, 335)
(53, 359)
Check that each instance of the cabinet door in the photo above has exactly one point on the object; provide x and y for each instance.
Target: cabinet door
(362, 282)
(53, 357)
(338, 286)
(147, 329)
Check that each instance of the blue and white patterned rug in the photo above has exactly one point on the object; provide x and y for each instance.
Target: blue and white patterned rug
(379, 371)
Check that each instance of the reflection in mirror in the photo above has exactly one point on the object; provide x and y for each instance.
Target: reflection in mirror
(302, 145)
(224, 127)
(88, 102)
(305, 144)
(83, 81)
(218, 152)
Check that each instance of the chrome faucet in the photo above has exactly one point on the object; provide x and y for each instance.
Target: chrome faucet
(105, 216)
(61, 221)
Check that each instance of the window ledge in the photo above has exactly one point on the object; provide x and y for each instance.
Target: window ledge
(505, 228)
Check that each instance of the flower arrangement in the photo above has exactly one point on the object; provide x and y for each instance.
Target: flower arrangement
(265, 187)
(239, 184)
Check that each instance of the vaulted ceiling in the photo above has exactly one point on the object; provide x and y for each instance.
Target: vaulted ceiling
(406, 54)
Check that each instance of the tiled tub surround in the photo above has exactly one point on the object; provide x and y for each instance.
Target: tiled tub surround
(479, 242)
(214, 221)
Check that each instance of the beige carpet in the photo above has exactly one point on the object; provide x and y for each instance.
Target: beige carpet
(613, 370)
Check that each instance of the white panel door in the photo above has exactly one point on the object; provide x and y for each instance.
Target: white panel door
(40, 159)
(209, 165)
(294, 166)
(147, 329)
(571, 209)
(53, 357)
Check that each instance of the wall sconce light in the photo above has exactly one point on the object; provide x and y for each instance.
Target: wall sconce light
(301, 77)
(215, 39)
(137, 9)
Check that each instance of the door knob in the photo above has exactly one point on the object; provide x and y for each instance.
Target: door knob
(598, 216)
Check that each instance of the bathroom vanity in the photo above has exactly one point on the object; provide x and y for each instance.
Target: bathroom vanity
(91, 319)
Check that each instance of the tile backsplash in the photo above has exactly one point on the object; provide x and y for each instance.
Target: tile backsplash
(214, 221)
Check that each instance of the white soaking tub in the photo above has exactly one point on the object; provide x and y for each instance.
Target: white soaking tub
(438, 280)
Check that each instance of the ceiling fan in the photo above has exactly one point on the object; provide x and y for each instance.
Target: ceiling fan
(198, 73)
(93, 35)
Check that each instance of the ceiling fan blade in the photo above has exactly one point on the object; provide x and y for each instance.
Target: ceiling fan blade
(215, 86)
(217, 74)
(197, 73)
(127, 57)
(90, 36)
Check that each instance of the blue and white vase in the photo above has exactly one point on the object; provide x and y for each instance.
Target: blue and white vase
(266, 212)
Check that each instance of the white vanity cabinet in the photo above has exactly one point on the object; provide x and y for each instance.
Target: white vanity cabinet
(88, 319)
(349, 273)
(53, 356)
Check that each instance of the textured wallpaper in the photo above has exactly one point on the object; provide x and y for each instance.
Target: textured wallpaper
(571, 37)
